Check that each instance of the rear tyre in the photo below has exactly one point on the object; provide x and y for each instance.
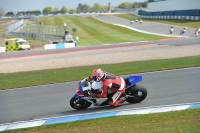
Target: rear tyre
(137, 94)
(79, 104)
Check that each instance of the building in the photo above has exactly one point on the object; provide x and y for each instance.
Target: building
(173, 9)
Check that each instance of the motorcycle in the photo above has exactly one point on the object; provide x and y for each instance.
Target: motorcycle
(171, 30)
(83, 97)
(183, 31)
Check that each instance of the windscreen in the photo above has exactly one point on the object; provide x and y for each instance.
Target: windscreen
(22, 43)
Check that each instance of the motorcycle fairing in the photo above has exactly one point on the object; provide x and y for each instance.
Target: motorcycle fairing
(132, 80)
(79, 91)
(99, 101)
(95, 101)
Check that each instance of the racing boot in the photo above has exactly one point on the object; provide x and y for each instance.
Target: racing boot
(118, 102)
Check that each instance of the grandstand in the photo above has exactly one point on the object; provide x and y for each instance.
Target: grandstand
(172, 9)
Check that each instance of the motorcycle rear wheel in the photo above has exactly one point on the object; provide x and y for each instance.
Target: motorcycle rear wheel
(78, 104)
(138, 93)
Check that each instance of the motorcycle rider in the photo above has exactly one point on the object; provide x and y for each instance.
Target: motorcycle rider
(131, 21)
(183, 30)
(112, 82)
(197, 31)
(140, 21)
(171, 30)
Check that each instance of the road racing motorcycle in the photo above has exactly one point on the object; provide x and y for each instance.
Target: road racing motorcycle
(183, 31)
(83, 97)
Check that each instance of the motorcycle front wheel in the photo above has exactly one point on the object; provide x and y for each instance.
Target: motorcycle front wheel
(79, 104)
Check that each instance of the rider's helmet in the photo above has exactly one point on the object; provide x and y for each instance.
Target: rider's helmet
(98, 74)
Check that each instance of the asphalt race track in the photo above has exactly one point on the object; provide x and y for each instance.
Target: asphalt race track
(148, 27)
(164, 88)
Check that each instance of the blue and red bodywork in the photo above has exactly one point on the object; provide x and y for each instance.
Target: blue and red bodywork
(132, 80)
(79, 91)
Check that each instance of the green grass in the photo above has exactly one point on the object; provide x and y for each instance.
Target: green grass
(31, 78)
(183, 23)
(93, 32)
(37, 43)
(2, 27)
(1, 22)
(186, 121)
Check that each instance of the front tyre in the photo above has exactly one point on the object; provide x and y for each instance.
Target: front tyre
(79, 104)
(136, 94)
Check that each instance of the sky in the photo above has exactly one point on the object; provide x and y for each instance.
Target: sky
(30, 5)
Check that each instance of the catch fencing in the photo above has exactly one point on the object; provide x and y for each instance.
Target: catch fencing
(35, 30)
(41, 32)
(16, 26)
(35, 19)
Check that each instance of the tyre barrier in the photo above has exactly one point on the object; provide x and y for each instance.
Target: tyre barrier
(60, 45)
(2, 49)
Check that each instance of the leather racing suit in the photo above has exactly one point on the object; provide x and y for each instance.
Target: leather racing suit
(115, 84)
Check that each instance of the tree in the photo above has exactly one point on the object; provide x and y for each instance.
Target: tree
(38, 12)
(55, 10)
(98, 7)
(140, 4)
(105, 8)
(125, 5)
(79, 8)
(64, 9)
(145, 4)
(72, 10)
(83, 7)
(20, 13)
(28, 12)
(9, 14)
(137, 4)
(2, 11)
(35, 12)
(47, 10)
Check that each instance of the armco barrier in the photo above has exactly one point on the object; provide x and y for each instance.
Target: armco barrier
(70, 118)
(2, 49)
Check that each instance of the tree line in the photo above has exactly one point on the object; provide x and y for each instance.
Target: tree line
(128, 5)
(80, 8)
